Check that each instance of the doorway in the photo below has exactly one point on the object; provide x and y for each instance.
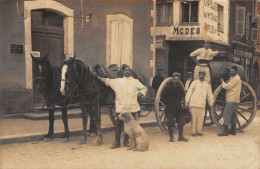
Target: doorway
(179, 57)
(47, 38)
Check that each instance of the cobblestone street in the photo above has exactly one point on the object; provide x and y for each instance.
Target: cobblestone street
(208, 151)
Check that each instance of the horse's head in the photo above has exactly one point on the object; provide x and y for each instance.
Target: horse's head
(73, 72)
(41, 72)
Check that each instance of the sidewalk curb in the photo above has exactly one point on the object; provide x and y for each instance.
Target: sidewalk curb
(40, 136)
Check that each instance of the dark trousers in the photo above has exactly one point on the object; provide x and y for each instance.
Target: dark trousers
(120, 126)
(179, 116)
(229, 114)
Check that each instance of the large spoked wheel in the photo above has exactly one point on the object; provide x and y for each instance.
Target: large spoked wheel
(246, 110)
(160, 107)
(146, 104)
(112, 114)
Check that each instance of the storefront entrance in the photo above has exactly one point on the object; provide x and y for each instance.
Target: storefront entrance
(179, 56)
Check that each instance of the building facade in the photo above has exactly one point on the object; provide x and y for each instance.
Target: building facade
(243, 37)
(97, 32)
(185, 25)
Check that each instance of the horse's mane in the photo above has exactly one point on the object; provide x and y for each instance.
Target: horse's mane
(83, 72)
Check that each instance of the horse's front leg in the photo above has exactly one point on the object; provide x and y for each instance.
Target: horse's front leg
(92, 126)
(49, 136)
(84, 123)
(65, 122)
(98, 124)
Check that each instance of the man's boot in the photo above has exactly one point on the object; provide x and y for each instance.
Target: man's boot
(126, 141)
(171, 134)
(233, 130)
(224, 132)
(181, 137)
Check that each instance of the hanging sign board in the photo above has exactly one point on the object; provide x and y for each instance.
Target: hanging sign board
(35, 54)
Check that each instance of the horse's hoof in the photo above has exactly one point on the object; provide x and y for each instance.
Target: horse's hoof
(65, 140)
(83, 141)
(47, 139)
(99, 140)
(66, 136)
(129, 148)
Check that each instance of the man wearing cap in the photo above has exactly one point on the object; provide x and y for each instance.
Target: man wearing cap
(188, 81)
(195, 99)
(127, 90)
(157, 80)
(133, 73)
(202, 56)
(173, 96)
(233, 89)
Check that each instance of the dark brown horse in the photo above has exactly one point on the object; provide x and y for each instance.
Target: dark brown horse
(90, 91)
(47, 82)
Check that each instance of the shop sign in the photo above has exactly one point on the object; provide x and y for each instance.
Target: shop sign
(185, 30)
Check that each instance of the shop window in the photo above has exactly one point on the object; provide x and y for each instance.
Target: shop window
(240, 20)
(164, 12)
(220, 18)
(190, 12)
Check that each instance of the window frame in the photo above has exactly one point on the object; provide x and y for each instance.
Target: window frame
(188, 23)
(164, 13)
(243, 21)
(221, 28)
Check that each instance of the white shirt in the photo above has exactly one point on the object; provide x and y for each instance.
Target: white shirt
(203, 54)
(197, 94)
(126, 90)
(233, 88)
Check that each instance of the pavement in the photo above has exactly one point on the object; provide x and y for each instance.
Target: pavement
(29, 127)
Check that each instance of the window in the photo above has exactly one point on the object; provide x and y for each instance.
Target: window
(190, 12)
(254, 36)
(220, 18)
(164, 12)
(240, 20)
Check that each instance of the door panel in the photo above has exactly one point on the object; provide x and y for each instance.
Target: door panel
(55, 48)
(38, 44)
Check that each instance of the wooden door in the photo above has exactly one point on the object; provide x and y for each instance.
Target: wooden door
(48, 39)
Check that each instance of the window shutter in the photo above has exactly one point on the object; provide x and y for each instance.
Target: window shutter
(255, 22)
(247, 26)
(254, 34)
(240, 18)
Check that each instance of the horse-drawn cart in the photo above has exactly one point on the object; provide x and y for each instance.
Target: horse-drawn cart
(246, 109)
(84, 88)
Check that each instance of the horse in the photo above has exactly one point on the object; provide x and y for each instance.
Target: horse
(47, 80)
(91, 93)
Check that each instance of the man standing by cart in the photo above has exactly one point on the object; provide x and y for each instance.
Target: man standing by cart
(233, 89)
(157, 80)
(173, 97)
(196, 97)
(127, 90)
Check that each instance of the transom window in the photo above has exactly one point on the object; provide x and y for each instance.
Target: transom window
(164, 12)
(189, 12)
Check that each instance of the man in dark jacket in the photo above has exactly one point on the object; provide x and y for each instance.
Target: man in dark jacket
(173, 96)
(157, 80)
